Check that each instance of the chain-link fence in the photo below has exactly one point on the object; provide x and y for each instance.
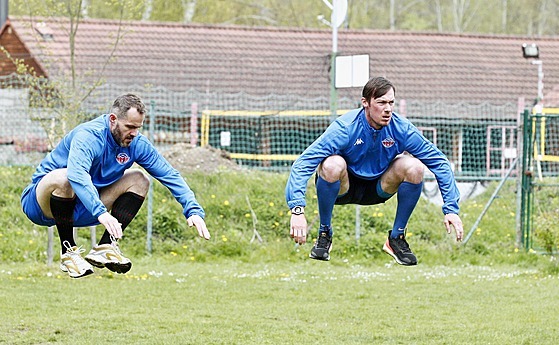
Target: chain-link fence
(540, 182)
(265, 131)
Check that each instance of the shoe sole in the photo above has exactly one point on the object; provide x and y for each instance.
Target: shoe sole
(95, 263)
(319, 258)
(389, 251)
(111, 266)
(312, 256)
(86, 273)
(118, 267)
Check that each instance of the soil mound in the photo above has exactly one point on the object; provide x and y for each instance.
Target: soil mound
(187, 158)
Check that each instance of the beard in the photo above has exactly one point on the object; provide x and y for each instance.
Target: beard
(120, 139)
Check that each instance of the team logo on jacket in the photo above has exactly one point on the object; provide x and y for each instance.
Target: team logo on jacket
(122, 158)
(388, 142)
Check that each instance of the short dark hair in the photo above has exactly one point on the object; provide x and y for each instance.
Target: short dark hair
(123, 103)
(376, 87)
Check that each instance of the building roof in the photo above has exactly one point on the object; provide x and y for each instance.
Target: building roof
(426, 67)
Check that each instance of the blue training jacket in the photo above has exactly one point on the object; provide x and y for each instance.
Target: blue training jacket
(94, 160)
(368, 153)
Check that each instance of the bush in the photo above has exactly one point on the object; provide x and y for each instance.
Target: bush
(238, 203)
(546, 232)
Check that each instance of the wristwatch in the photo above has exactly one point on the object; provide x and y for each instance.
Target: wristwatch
(298, 210)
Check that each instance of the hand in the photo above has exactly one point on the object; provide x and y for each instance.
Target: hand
(298, 228)
(198, 222)
(456, 222)
(111, 224)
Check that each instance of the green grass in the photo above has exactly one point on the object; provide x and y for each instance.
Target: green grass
(231, 291)
(307, 302)
(228, 216)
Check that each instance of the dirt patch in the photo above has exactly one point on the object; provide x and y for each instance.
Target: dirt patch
(187, 158)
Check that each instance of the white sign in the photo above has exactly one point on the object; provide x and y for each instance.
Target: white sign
(352, 70)
(225, 138)
(509, 153)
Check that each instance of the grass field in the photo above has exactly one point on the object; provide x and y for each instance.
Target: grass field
(231, 291)
(307, 302)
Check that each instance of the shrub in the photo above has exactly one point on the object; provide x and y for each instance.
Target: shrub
(239, 202)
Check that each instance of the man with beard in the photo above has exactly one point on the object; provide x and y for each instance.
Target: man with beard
(365, 157)
(86, 180)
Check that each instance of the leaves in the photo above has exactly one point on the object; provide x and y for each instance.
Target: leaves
(522, 17)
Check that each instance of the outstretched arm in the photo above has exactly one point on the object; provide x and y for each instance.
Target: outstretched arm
(452, 219)
(200, 224)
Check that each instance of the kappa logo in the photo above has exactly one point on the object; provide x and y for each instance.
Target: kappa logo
(358, 142)
(122, 158)
(388, 142)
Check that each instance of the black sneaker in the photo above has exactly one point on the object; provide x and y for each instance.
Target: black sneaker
(399, 249)
(322, 247)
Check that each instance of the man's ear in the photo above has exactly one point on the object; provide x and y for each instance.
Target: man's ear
(112, 118)
(364, 102)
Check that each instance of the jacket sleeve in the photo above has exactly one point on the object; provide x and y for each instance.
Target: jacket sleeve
(158, 167)
(330, 142)
(84, 147)
(438, 164)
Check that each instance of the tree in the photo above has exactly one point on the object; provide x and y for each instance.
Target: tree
(61, 96)
(524, 17)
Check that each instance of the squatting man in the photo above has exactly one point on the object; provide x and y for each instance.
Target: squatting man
(365, 157)
(86, 180)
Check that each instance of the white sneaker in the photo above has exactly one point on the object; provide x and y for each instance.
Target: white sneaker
(109, 256)
(73, 263)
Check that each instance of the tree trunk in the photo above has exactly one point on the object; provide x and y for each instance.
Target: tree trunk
(189, 7)
(392, 14)
(84, 8)
(439, 12)
(504, 9)
(148, 8)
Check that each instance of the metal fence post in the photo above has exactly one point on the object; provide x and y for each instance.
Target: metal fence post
(357, 222)
(50, 245)
(150, 191)
(526, 179)
(93, 235)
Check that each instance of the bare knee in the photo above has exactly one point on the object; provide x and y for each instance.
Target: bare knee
(332, 168)
(413, 170)
(56, 183)
(140, 182)
(403, 168)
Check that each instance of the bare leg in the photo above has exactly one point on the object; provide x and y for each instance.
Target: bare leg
(403, 168)
(56, 199)
(332, 181)
(405, 175)
(334, 168)
(134, 181)
(125, 198)
(54, 183)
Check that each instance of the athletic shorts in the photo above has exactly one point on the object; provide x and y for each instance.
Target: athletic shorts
(361, 192)
(31, 208)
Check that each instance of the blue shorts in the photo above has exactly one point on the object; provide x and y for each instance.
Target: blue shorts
(31, 208)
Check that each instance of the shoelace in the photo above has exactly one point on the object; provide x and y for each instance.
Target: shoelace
(70, 250)
(323, 241)
(114, 243)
